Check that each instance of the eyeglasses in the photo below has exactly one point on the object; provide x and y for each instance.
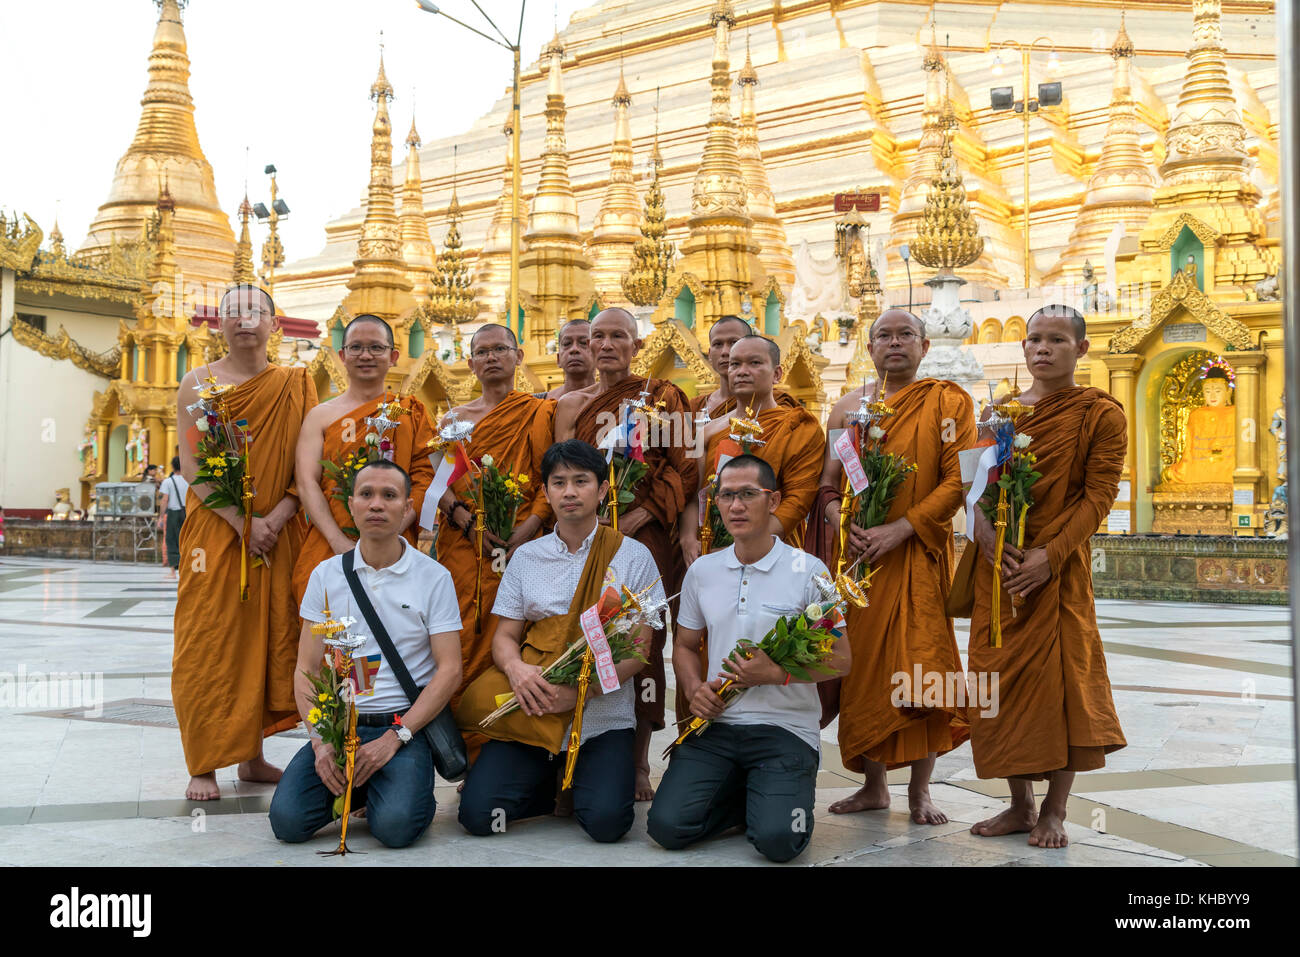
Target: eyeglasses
(745, 495)
(373, 349)
(245, 312)
(491, 351)
(906, 337)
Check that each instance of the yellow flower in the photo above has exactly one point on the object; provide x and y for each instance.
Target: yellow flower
(215, 460)
(314, 715)
(218, 472)
(323, 697)
(523, 479)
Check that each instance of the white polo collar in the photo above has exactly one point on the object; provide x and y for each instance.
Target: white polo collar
(563, 549)
(397, 568)
(764, 564)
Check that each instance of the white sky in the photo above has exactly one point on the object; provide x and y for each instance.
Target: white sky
(289, 79)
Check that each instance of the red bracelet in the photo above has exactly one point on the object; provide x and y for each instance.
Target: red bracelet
(787, 680)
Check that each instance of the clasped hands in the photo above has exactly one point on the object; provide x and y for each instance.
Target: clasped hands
(1023, 570)
(536, 695)
(871, 542)
(371, 756)
(745, 673)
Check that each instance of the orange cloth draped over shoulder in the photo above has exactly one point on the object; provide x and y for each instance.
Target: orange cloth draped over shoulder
(233, 662)
(667, 486)
(409, 438)
(1054, 706)
(905, 628)
(794, 445)
(728, 405)
(516, 433)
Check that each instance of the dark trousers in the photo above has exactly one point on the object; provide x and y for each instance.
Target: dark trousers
(172, 536)
(758, 776)
(510, 781)
(398, 798)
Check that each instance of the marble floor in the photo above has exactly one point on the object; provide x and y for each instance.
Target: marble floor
(93, 770)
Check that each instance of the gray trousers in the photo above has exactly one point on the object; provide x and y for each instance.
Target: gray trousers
(759, 776)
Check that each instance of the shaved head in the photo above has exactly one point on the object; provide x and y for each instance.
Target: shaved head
(615, 312)
(1057, 311)
(743, 325)
(575, 322)
(375, 320)
(899, 314)
(773, 350)
(492, 325)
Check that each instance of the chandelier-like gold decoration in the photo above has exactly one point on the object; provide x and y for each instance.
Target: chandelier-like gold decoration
(652, 256)
(450, 293)
(948, 236)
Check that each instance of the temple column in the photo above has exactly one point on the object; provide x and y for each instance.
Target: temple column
(1123, 370)
(1247, 474)
(101, 470)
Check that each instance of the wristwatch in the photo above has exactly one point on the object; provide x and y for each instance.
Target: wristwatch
(403, 733)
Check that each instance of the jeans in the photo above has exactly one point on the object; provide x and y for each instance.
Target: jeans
(398, 798)
(759, 776)
(510, 781)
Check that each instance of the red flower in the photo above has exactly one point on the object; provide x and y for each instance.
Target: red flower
(397, 719)
(385, 445)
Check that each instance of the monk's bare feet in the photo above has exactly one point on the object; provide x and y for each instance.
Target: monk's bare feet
(203, 787)
(644, 789)
(1049, 831)
(869, 797)
(1013, 820)
(257, 770)
(923, 809)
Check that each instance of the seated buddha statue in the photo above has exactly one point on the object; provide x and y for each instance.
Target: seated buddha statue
(1210, 444)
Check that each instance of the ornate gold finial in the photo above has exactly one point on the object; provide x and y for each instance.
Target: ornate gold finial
(719, 188)
(933, 60)
(451, 296)
(768, 230)
(722, 13)
(748, 75)
(948, 236)
(1123, 45)
(381, 88)
(652, 255)
(57, 249)
(243, 269)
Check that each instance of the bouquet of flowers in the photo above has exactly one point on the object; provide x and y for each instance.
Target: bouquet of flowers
(222, 448)
(628, 467)
(332, 714)
(501, 494)
(799, 644)
(628, 471)
(622, 615)
(374, 445)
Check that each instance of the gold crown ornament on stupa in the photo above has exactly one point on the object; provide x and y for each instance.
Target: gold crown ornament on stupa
(948, 237)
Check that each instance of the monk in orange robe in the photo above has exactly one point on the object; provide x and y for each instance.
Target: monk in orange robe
(514, 428)
(651, 517)
(1054, 713)
(885, 720)
(793, 442)
(233, 661)
(724, 334)
(573, 356)
(337, 429)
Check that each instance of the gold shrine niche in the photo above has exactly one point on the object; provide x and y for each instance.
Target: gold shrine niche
(1197, 448)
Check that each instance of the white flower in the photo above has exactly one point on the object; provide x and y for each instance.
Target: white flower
(488, 462)
(1022, 440)
(372, 439)
(813, 612)
(201, 425)
(876, 432)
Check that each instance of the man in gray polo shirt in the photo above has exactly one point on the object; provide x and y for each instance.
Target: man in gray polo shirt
(756, 764)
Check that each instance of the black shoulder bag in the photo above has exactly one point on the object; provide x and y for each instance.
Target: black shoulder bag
(443, 737)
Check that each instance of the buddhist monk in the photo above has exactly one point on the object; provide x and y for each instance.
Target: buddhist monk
(651, 517)
(337, 430)
(724, 334)
(883, 723)
(1054, 713)
(574, 358)
(514, 428)
(233, 664)
(792, 442)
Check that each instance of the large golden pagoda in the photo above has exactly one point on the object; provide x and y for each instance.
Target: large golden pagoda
(554, 274)
(492, 265)
(417, 247)
(614, 232)
(166, 145)
(768, 230)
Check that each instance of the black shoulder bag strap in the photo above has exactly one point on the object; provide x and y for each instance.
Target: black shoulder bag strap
(444, 738)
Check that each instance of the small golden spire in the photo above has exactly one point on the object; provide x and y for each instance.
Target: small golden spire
(1123, 45)
(768, 230)
(243, 269)
(614, 231)
(57, 249)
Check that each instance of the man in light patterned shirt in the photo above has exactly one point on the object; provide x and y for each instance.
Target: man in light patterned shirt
(510, 779)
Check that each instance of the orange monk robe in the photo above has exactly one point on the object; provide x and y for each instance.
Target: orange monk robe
(233, 663)
(663, 492)
(728, 405)
(516, 433)
(1054, 707)
(795, 446)
(410, 439)
(905, 628)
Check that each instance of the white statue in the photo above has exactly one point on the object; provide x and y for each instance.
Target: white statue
(817, 285)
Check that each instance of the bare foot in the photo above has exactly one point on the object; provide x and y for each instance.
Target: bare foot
(1011, 821)
(203, 787)
(923, 809)
(869, 797)
(259, 771)
(1050, 831)
(644, 790)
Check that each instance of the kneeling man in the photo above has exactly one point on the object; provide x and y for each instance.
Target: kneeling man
(549, 582)
(415, 601)
(756, 764)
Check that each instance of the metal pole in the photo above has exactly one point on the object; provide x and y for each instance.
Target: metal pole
(1024, 72)
(1288, 41)
(512, 316)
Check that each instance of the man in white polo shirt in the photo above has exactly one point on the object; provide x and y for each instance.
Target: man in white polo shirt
(515, 774)
(414, 599)
(756, 764)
